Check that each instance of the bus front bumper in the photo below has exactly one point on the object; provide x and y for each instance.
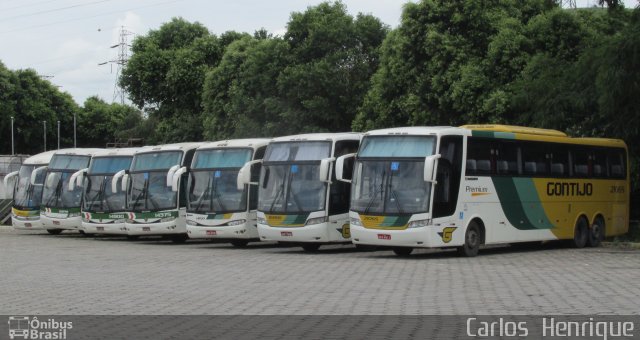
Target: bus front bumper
(157, 228)
(104, 228)
(423, 237)
(242, 231)
(71, 223)
(21, 224)
(317, 233)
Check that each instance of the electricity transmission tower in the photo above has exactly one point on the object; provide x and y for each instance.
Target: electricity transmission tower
(569, 4)
(120, 62)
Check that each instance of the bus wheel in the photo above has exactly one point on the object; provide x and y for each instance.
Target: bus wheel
(596, 234)
(581, 233)
(403, 251)
(240, 243)
(471, 241)
(311, 247)
(182, 238)
(54, 231)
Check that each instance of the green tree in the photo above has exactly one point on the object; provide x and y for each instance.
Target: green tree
(100, 123)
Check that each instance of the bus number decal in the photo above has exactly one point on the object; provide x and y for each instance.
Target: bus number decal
(617, 189)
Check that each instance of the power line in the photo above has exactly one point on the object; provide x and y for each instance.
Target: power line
(89, 17)
(54, 10)
(29, 5)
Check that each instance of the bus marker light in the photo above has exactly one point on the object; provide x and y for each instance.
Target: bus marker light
(384, 237)
(286, 233)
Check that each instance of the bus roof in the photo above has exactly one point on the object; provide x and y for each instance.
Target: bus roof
(236, 143)
(320, 137)
(170, 147)
(536, 134)
(117, 152)
(77, 152)
(40, 159)
(419, 131)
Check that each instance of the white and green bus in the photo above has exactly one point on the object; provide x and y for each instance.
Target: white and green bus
(25, 211)
(299, 200)
(448, 187)
(103, 204)
(153, 206)
(60, 207)
(216, 207)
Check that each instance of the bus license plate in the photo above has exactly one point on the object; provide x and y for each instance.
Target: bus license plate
(286, 233)
(384, 237)
(56, 222)
(211, 232)
(27, 225)
(146, 228)
(100, 228)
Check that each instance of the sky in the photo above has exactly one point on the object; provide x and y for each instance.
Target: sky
(65, 40)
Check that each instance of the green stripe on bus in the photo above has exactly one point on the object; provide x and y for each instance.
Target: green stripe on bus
(531, 203)
(511, 204)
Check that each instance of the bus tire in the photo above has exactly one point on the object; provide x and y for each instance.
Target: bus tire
(311, 247)
(580, 233)
(54, 231)
(403, 251)
(472, 240)
(596, 232)
(239, 243)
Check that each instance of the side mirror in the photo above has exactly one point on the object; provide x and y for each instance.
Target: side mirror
(10, 177)
(244, 175)
(340, 167)
(125, 181)
(176, 178)
(430, 163)
(325, 170)
(172, 170)
(76, 179)
(114, 181)
(35, 173)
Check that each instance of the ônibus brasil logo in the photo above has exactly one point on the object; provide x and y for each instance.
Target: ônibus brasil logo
(24, 327)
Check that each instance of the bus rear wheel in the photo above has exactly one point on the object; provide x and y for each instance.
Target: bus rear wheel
(471, 241)
(403, 251)
(311, 247)
(239, 243)
(596, 233)
(581, 233)
(54, 231)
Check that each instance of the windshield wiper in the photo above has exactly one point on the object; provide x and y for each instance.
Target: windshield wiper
(375, 193)
(278, 195)
(201, 198)
(56, 193)
(142, 192)
(216, 195)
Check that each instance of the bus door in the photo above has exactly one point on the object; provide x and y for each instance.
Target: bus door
(445, 196)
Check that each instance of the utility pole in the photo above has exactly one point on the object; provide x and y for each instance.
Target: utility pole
(44, 127)
(120, 62)
(12, 145)
(75, 145)
(58, 135)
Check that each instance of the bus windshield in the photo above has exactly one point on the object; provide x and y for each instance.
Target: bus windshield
(27, 196)
(148, 187)
(97, 192)
(291, 188)
(388, 177)
(212, 181)
(56, 193)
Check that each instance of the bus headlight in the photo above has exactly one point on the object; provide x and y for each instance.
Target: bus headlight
(355, 221)
(236, 222)
(262, 220)
(419, 223)
(317, 220)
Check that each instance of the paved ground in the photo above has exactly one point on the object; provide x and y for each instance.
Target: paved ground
(70, 274)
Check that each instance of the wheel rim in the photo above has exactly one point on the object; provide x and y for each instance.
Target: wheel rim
(472, 239)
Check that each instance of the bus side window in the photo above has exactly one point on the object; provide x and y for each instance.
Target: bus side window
(340, 192)
(617, 165)
(600, 163)
(559, 161)
(448, 176)
(534, 159)
(581, 160)
(480, 157)
(507, 159)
